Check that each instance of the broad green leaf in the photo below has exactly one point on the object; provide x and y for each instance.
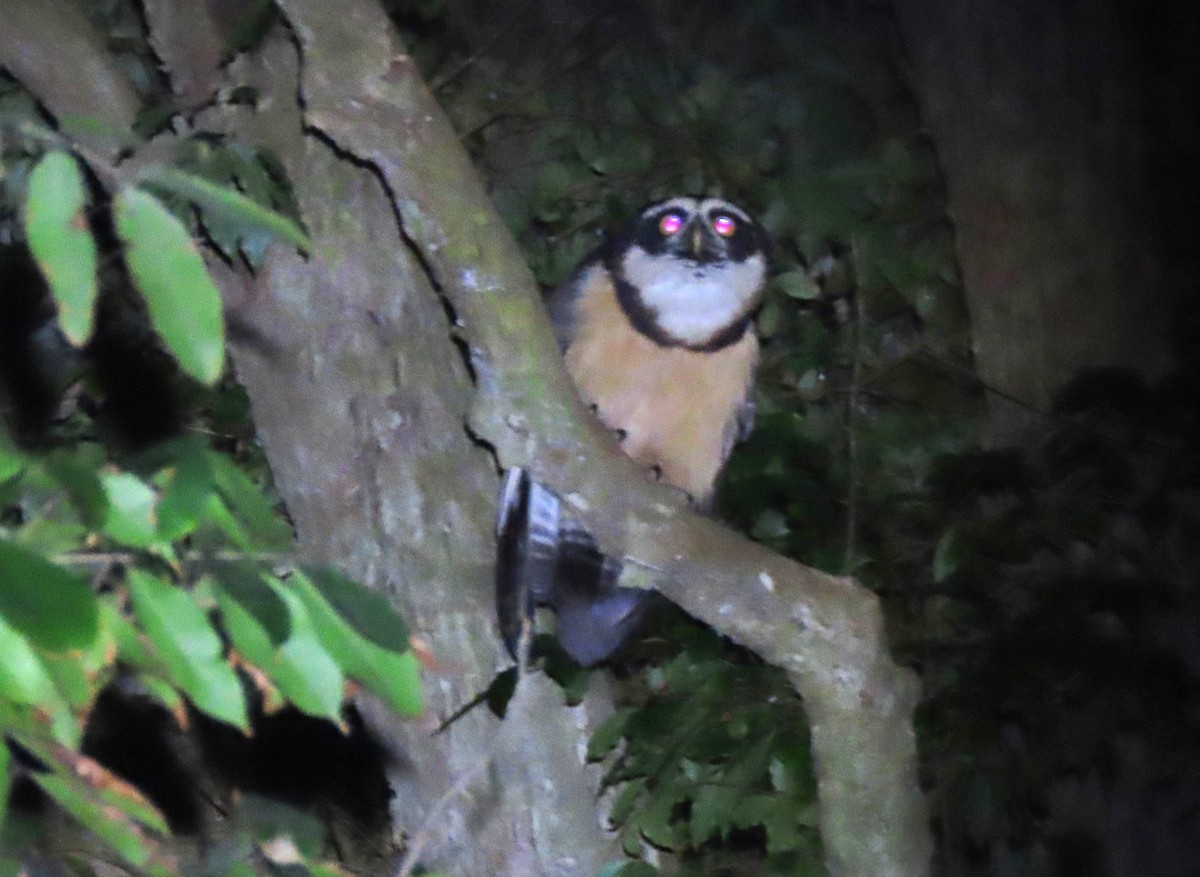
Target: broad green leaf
(105, 821)
(61, 242)
(24, 680)
(248, 588)
(130, 518)
(712, 810)
(71, 678)
(798, 285)
(299, 666)
(184, 305)
(624, 803)
(394, 676)
(53, 607)
(306, 673)
(230, 205)
(605, 737)
(368, 612)
(248, 504)
(90, 780)
(656, 819)
(187, 485)
(166, 695)
(77, 470)
(770, 525)
(249, 637)
(131, 647)
(126, 798)
(184, 638)
(791, 768)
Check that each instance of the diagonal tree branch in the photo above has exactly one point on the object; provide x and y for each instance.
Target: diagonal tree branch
(89, 93)
(826, 632)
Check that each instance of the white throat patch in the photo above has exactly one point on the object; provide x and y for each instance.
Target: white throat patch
(692, 302)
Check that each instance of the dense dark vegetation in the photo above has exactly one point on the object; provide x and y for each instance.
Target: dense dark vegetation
(1046, 594)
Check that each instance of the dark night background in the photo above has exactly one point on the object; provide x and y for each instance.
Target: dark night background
(979, 391)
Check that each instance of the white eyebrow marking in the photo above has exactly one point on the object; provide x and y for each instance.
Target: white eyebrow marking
(708, 205)
(687, 205)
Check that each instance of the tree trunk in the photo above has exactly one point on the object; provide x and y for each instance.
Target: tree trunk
(380, 416)
(1034, 108)
(360, 397)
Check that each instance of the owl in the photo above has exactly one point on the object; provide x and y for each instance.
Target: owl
(657, 330)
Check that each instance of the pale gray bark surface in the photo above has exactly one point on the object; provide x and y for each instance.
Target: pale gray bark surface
(363, 399)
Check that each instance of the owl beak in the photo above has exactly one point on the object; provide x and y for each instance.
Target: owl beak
(700, 245)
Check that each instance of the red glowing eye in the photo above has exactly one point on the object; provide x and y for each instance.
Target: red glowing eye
(724, 225)
(670, 224)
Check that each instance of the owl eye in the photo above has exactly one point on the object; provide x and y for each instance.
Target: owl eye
(670, 224)
(724, 225)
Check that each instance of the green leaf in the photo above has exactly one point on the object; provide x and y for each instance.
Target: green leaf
(771, 525)
(184, 305)
(190, 648)
(299, 666)
(369, 613)
(791, 769)
(24, 680)
(187, 486)
(77, 470)
(53, 607)
(246, 586)
(712, 811)
(131, 647)
(798, 285)
(61, 242)
(306, 673)
(228, 204)
(605, 737)
(130, 518)
(394, 676)
(624, 803)
(106, 822)
(248, 504)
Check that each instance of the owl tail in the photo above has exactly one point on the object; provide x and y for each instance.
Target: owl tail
(543, 559)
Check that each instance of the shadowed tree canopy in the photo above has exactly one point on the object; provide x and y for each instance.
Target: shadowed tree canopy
(397, 360)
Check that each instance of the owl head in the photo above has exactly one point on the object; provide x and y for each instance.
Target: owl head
(693, 267)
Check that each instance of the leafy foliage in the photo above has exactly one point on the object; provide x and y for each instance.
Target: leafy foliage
(1059, 680)
(714, 756)
(157, 571)
(1043, 594)
(865, 379)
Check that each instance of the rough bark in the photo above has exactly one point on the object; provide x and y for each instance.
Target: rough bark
(359, 396)
(1035, 111)
(362, 401)
(826, 632)
(53, 49)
